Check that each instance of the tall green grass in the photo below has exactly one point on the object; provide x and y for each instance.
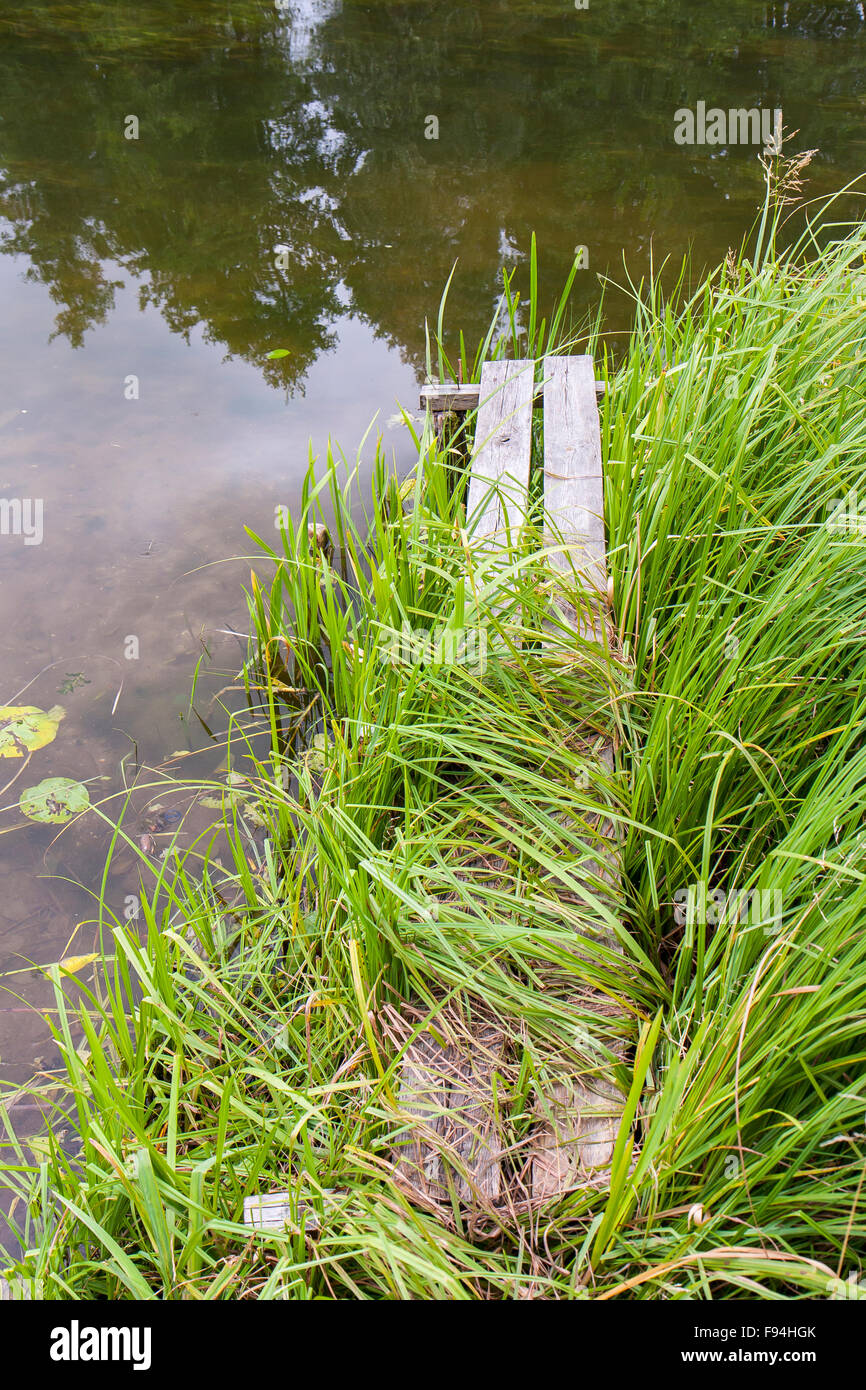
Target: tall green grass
(433, 853)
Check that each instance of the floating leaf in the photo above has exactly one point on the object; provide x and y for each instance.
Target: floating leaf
(23, 728)
(75, 963)
(54, 801)
(278, 352)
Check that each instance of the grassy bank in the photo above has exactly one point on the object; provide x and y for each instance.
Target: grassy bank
(432, 852)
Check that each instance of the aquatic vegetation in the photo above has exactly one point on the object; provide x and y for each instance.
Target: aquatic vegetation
(54, 800)
(421, 858)
(24, 728)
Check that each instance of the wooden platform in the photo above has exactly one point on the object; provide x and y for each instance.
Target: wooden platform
(450, 1143)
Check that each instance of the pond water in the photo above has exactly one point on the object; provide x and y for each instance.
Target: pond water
(186, 185)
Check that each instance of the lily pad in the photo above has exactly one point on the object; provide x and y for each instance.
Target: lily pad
(54, 801)
(24, 728)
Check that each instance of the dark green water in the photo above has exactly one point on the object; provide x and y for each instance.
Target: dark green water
(264, 125)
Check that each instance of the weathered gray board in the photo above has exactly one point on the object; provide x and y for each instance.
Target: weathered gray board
(579, 1119)
(278, 1211)
(454, 395)
(573, 481)
(496, 501)
(14, 1290)
(451, 1141)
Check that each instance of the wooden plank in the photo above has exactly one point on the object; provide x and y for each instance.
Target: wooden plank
(275, 1211)
(453, 1140)
(14, 1289)
(573, 480)
(453, 395)
(574, 1143)
(449, 395)
(579, 1118)
(496, 502)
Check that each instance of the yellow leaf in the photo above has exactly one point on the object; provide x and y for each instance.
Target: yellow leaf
(24, 728)
(75, 963)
